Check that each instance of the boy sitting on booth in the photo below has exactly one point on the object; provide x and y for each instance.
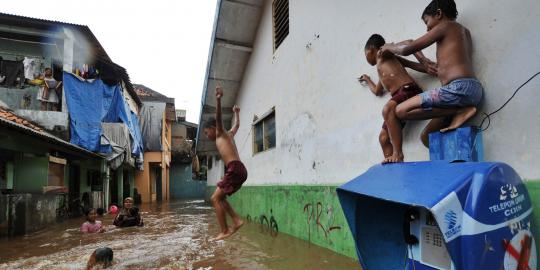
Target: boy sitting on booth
(460, 92)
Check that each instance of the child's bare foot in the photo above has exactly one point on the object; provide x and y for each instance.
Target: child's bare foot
(237, 225)
(222, 235)
(394, 158)
(460, 118)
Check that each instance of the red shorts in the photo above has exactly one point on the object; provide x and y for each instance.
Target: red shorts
(235, 176)
(403, 93)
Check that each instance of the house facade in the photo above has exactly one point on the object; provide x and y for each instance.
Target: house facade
(308, 125)
(157, 115)
(61, 168)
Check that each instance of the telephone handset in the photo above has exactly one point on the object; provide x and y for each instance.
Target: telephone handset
(410, 216)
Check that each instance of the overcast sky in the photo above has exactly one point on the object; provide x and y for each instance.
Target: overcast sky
(163, 44)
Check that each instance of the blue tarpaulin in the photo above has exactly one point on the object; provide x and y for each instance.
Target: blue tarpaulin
(90, 104)
(473, 203)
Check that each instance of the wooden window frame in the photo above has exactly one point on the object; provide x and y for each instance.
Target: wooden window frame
(262, 120)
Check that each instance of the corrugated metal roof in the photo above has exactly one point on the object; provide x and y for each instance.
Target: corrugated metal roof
(235, 27)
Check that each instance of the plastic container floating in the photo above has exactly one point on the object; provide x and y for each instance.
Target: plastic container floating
(440, 215)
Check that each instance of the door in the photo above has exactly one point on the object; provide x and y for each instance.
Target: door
(113, 187)
(127, 187)
(74, 190)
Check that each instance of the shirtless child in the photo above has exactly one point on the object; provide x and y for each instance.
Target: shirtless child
(460, 92)
(394, 78)
(236, 173)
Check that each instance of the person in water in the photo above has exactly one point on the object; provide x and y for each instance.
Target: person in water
(101, 257)
(92, 225)
(129, 216)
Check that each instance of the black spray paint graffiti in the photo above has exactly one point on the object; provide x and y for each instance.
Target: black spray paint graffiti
(314, 214)
(269, 226)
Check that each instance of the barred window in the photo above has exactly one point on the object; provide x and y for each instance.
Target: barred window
(280, 14)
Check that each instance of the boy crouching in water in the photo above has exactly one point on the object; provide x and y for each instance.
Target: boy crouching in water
(235, 175)
(394, 78)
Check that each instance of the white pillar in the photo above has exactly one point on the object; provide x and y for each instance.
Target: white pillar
(69, 41)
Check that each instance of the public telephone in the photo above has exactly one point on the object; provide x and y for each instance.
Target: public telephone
(440, 215)
(425, 241)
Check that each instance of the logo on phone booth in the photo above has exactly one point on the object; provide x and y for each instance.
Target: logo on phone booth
(452, 227)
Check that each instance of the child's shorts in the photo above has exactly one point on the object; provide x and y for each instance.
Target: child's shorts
(235, 176)
(462, 92)
(403, 93)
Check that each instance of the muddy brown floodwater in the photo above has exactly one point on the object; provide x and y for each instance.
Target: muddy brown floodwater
(175, 236)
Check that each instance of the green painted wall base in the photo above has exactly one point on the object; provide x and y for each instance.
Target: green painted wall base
(534, 193)
(311, 213)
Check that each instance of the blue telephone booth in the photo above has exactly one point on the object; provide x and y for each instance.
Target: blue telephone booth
(440, 215)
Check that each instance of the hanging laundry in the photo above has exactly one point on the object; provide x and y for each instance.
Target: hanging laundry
(14, 72)
(32, 68)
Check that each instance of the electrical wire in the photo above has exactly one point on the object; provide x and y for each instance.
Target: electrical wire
(245, 140)
(406, 262)
(487, 116)
(412, 258)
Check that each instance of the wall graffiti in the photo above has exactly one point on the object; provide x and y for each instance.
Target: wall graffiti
(314, 213)
(266, 225)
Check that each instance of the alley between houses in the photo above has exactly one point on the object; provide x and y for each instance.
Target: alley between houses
(175, 236)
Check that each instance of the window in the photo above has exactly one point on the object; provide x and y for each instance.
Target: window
(95, 180)
(264, 133)
(56, 174)
(280, 14)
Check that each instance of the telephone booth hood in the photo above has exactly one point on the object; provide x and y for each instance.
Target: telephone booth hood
(481, 208)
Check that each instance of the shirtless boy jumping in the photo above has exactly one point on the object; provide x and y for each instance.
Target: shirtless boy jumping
(235, 174)
(460, 92)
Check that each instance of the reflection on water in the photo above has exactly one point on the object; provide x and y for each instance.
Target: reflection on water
(175, 236)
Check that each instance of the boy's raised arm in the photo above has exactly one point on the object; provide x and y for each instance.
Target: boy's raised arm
(236, 125)
(219, 122)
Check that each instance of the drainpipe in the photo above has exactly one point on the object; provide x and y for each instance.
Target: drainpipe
(106, 178)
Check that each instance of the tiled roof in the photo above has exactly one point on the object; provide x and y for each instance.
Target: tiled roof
(147, 94)
(8, 115)
(10, 120)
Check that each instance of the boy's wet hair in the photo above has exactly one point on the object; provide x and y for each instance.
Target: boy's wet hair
(375, 41)
(104, 256)
(447, 7)
(210, 123)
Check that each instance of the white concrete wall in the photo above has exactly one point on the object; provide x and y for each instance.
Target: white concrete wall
(215, 174)
(327, 124)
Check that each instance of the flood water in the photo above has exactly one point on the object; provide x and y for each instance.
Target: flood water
(175, 236)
